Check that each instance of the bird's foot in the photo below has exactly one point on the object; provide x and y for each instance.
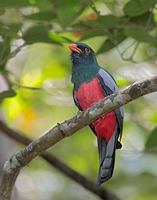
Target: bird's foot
(61, 129)
(119, 145)
(78, 112)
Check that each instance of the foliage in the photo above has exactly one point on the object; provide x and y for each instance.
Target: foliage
(34, 61)
(6, 94)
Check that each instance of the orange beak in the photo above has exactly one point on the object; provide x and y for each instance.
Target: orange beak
(73, 47)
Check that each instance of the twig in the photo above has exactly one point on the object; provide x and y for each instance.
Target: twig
(60, 165)
(19, 86)
(135, 43)
(17, 50)
(13, 53)
(13, 166)
(93, 7)
(131, 57)
(128, 47)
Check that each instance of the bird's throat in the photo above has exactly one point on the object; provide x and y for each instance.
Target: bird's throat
(83, 74)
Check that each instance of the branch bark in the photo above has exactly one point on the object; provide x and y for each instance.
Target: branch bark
(59, 165)
(13, 166)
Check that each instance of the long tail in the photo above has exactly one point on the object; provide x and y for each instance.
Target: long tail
(107, 157)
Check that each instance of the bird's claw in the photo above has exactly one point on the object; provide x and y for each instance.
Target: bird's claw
(78, 112)
(118, 145)
(60, 129)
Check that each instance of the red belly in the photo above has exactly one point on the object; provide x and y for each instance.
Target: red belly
(89, 93)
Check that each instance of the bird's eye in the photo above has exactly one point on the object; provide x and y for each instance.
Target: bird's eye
(87, 50)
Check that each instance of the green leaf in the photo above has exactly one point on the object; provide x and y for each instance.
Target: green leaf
(10, 29)
(14, 28)
(42, 33)
(37, 34)
(142, 20)
(81, 25)
(106, 21)
(14, 3)
(110, 21)
(43, 5)
(42, 16)
(106, 46)
(7, 94)
(58, 39)
(152, 140)
(140, 34)
(68, 11)
(122, 81)
(90, 34)
(109, 44)
(138, 7)
(4, 51)
(2, 11)
(3, 29)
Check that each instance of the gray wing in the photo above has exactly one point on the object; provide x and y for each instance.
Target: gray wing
(109, 86)
(107, 149)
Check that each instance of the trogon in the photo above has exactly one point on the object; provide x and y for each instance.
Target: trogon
(91, 84)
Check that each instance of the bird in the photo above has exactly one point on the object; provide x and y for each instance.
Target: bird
(91, 84)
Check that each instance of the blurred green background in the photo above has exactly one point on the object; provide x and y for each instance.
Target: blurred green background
(35, 73)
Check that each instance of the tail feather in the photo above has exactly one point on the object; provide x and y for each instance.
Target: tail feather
(107, 157)
(106, 169)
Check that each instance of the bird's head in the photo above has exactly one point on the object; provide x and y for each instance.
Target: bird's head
(82, 54)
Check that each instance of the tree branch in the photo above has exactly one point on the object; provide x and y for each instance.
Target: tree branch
(13, 166)
(59, 165)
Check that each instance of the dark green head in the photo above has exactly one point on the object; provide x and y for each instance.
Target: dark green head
(82, 54)
(85, 65)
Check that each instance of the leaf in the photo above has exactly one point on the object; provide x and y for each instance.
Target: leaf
(139, 34)
(122, 81)
(3, 29)
(2, 11)
(68, 11)
(42, 16)
(14, 28)
(67, 40)
(138, 7)
(97, 27)
(106, 21)
(7, 94)
(59, 39)
(142, 20)
(90, 34)
(110, 21)
(37, 33)
(106, 46)
(81, 25)
(10, 29)
(152, 140)
(43, 5)
(42, 33)
(14, 3)
(109, 44)
(5, 51)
